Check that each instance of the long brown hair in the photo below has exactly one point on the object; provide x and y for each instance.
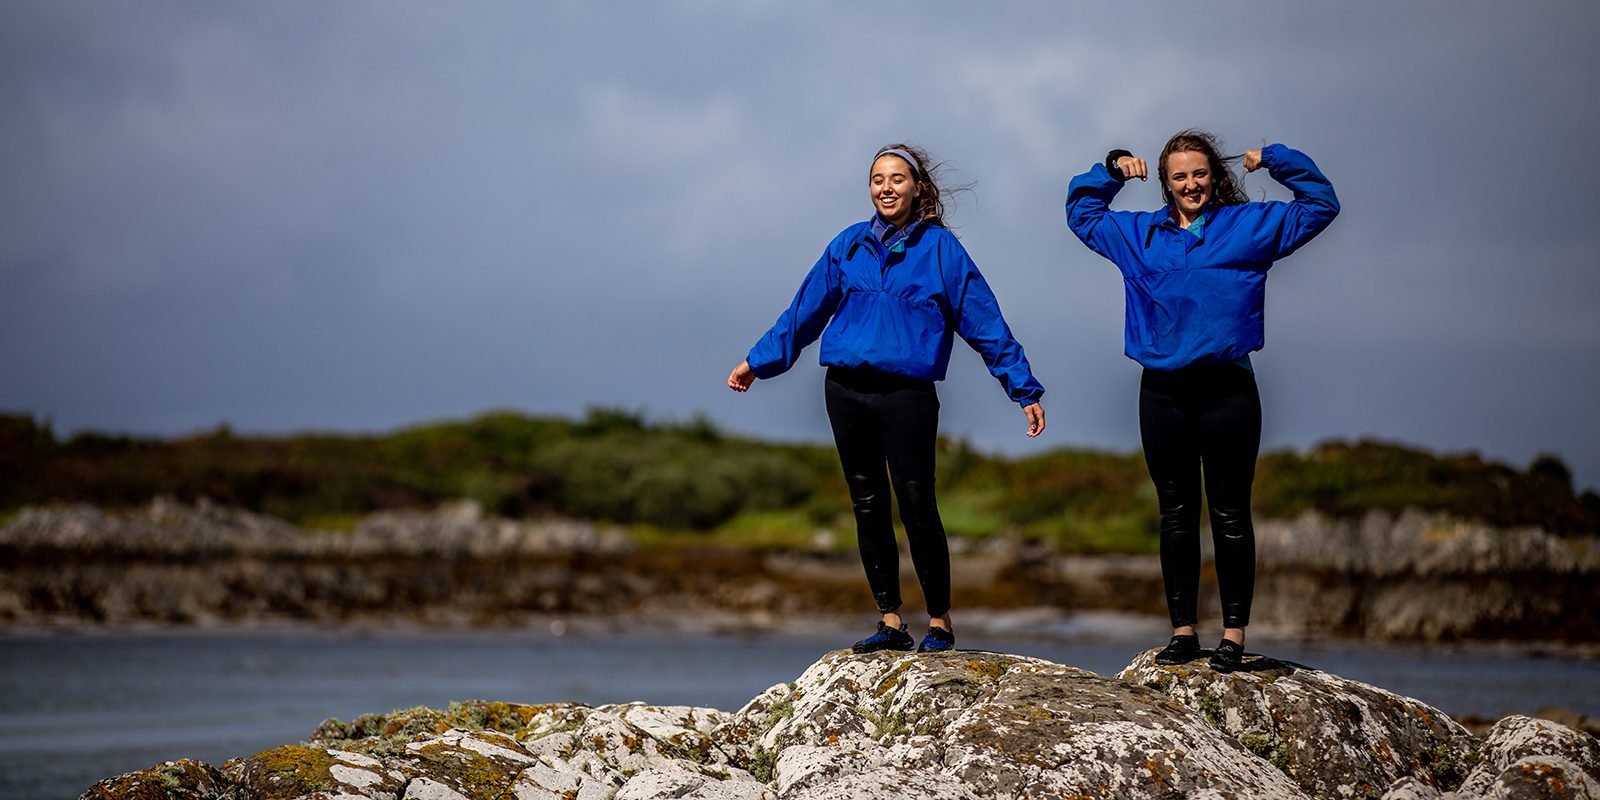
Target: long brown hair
(1225, 188)
(930, 197)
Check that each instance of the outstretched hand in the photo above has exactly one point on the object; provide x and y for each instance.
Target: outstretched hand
(1131, 168)
(741, 377)
(1035, 414)
(1252, 160)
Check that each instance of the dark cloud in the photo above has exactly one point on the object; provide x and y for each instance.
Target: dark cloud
(362, 215)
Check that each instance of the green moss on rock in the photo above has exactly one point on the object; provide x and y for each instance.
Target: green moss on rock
(781, 709)
(891, 679)
(988, 669)
(1449, 767)
(473, 774)
(1211, 707)
(283, 773)
(692, 746)
(514, 719)
(760, 762)
(1257, 743)
(184, 779)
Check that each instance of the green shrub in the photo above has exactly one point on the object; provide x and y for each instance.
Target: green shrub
(617, 465)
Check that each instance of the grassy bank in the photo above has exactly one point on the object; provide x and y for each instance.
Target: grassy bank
(690, 482)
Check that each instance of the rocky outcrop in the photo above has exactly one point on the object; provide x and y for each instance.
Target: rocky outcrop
(1424, 576)
(1319, 729)
(986, 725)
(178, 563)
(1415, 576)
(184, 779)
(204, 531)
(963, 725)
(1526, 757)
(486, 751)
(199, 564)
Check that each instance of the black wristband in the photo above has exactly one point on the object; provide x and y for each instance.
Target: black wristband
(1111, 164)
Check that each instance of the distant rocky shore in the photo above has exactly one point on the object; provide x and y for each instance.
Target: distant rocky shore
(964, 725)
(1413, 576)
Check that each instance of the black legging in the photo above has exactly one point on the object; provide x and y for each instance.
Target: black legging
(1203, 414)
(879, 418)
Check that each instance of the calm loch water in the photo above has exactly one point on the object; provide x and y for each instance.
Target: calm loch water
(75, 708)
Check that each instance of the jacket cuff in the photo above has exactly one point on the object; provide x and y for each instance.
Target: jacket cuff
(1111, 164)
(763, 369)
(1271, 156)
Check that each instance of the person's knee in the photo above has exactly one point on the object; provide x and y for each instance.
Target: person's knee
(918, 504)
(1177, 496)
(866, 492)
(1232, 521)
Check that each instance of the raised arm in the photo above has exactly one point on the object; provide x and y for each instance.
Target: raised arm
(799, 325)
(1283, 227)
(1089, 199)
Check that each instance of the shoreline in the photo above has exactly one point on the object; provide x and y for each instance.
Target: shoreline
(1087, 627)
(1104, 631)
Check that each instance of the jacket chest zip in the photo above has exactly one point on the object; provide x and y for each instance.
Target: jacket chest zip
(887, 258)
(1178, 253)
(884, 257)
(1173, 243)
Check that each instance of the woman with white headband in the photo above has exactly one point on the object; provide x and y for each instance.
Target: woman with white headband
(887, 296)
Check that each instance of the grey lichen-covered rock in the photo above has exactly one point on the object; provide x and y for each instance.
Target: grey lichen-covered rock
(477, 751)
(971, 724)
(1334, 737)
(1528, 757)
(1411, 789)
(679, 783)
(184, 779)
(954, 726)
(294, 771)
(1543, 778)
(563, 750)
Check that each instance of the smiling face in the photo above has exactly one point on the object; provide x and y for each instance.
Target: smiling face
(894, 190)
(1187, 177)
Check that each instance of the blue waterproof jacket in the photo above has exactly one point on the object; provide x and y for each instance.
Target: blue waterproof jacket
(895, 310)
(1193, 298)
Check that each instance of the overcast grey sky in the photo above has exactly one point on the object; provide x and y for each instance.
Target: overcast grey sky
(362, 215)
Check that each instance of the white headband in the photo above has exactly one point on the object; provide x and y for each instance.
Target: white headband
(916, 170)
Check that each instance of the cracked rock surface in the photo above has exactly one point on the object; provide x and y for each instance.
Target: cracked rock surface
(1334, 737)
(966, 724)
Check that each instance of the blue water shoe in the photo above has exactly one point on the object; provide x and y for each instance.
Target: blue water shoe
(1181, 650)
(938, 640)
(886, 638)
(1228, 656)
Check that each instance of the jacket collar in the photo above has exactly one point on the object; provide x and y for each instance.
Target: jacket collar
(1167, 217)
(890, 236)
(1166, 221)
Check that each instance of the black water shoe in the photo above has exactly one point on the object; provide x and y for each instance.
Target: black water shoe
(1181, 650)
(938, 640)
(1228, 656)
(886, 638)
